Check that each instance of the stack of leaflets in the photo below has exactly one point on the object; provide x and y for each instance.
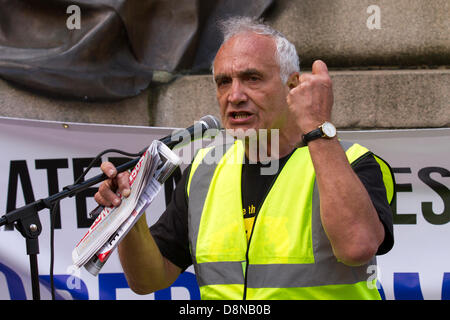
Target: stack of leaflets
(113, 223)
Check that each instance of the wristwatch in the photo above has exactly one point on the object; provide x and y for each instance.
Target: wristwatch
(326, 130)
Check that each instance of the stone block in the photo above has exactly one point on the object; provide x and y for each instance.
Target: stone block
(183, 101)
(16, 102)
(363, 99)
(411, 32)
(391, 99)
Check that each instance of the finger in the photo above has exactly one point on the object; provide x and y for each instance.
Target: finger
(305, 77)
(319, 67)
(107, 194)
(101, 201)
(109, 169)
(123, 183)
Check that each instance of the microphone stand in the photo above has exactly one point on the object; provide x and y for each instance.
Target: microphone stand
(27, 219)
(28, 223)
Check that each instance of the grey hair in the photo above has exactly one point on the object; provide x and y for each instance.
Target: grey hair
(286, 53)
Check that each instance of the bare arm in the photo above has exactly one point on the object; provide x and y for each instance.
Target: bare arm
(348, 215)
(145, 268)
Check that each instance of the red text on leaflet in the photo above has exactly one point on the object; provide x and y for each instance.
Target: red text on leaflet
(102, 214)
(106, 211)
(103, 256)
(136, 169)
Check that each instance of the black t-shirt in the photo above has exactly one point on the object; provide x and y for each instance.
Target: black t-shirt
(171, 230)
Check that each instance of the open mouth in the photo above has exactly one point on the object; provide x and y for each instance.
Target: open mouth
(240, 115)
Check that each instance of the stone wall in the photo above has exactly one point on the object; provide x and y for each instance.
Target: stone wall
(391, 72)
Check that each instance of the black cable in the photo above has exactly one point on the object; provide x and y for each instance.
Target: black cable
(54, 212)
(103, 153)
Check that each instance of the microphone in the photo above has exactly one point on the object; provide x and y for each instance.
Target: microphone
(177, 139)
(185, 136)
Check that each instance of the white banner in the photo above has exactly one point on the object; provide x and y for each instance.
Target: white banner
(40, 155)
(418, 266)
(40, 158)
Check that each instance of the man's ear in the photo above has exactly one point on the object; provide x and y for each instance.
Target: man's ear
(293, 80)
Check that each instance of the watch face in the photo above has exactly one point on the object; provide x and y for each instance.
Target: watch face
(329, 129)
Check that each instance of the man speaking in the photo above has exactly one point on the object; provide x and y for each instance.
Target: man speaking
(310, 230)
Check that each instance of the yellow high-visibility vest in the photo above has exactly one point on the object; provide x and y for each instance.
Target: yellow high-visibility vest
(289, 255)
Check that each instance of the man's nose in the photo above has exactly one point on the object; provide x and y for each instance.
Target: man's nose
(237, 93)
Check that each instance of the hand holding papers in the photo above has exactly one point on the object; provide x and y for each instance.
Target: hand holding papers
(113, 223)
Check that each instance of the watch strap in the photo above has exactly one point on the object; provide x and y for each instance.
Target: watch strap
(312, 135)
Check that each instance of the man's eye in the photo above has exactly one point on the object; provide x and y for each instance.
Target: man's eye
(222, 82)
(253, 78)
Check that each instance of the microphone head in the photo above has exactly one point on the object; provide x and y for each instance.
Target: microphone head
(210, 122)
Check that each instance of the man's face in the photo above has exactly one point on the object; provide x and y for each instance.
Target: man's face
(249, 89)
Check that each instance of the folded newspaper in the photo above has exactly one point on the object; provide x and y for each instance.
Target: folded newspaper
(113, 223)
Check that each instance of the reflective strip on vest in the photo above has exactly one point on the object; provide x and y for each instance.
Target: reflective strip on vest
(200, 183)
(310, 272)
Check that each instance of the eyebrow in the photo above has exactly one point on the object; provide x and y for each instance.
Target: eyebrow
(220, 77)
(250, 72)
(241, 74)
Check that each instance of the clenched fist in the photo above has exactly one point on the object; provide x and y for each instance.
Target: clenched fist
(311, 100)
(106, 194)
